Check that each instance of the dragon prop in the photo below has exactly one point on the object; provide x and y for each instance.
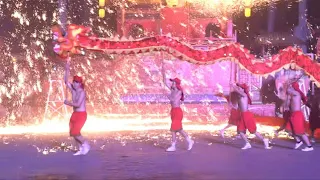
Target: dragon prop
(79, 37)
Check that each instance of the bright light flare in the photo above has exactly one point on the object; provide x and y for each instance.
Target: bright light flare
(227, 7)
(102, 124)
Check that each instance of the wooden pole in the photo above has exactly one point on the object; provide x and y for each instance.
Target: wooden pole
(63, 14)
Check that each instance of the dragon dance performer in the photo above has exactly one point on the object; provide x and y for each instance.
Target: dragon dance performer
(247, 120)
(296, 125)
(175, 97)
(234, 117)
(314, 117)
(79, 115)
(287, 126)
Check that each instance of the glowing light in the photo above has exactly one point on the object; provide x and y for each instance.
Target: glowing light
(102, 13)
(102, 3)
(23, 90)
(101, 124)
(227, 7)
(248, 3)
(247, 12)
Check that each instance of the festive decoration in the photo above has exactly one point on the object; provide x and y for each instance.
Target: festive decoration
(102, 11)
(69, 43)
(247, 12)
(287, 58)
(247, 9)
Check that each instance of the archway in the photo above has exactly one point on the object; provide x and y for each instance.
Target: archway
(136, 31)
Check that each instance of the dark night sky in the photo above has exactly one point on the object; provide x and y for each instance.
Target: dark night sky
(285, 21)
(248, 28)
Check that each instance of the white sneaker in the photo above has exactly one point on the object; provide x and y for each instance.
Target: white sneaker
(172, 148)
(222, 133)
(190, 144)
(78, 153)
(85, 148)
(298, 145)
(247, 146)
(266, 144)
(306, 149)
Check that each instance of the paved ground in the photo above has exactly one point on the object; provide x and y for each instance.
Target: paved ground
(141, 156)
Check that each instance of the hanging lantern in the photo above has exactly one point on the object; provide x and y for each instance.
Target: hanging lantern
(247, 5)
(102, 3)
(102, 13)
(247, 12)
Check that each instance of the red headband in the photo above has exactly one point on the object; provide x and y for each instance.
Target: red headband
(295, 86)
(178, 85)
(79, 80)
(245, 87)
